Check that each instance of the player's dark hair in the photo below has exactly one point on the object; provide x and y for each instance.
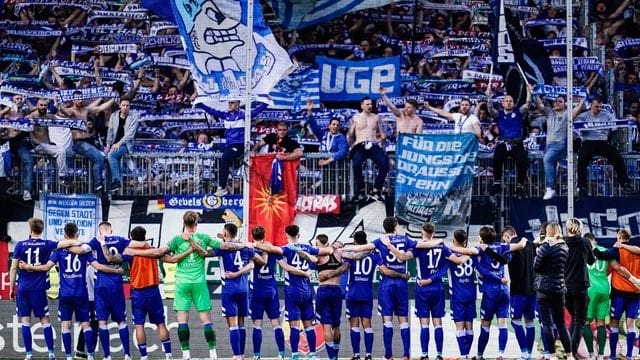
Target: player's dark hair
(389, 224)
(138, 233)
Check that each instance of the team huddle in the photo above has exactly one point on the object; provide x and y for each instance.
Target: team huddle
(516, 279)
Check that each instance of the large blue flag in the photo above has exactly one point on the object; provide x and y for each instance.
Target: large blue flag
(215, 36)
(297, 14)
(292, 92)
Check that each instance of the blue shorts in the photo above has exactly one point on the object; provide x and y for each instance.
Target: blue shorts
(621, 304)
(298, 306)
(234, 304)
(68, 305)
(463, 311)
(429, 303)
(258, 305)
(35, 301)
(393, 299)
(494, 303)
(147, 301)
(523, 305)
(359, 309)
(110, 301)
(329, 305)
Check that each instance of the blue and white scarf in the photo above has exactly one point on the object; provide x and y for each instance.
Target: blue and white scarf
(87, 93)
(311, 47)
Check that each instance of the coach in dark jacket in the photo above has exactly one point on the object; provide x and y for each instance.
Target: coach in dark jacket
(549, 266)
(576, 278)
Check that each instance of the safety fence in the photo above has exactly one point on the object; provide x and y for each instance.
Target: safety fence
(153, 174)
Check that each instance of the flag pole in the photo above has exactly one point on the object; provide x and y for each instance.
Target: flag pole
(490, 77)
(247, 121)
(570, 163)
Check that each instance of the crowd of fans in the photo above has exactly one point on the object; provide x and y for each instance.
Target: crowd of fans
(121, 70)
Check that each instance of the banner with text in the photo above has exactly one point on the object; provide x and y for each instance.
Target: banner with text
(601, 216)
(434, 178)
(344, 80)
(83, 210)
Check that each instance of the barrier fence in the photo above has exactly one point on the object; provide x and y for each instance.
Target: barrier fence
(153, 174)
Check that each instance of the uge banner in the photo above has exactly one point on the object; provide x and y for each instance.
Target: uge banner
(344, 80)
(434, 178)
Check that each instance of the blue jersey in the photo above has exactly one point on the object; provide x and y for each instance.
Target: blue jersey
(510, 125)
(233, 122)
(432, 264)
(34, 252)
(73, 272)
(490, 270)
(462, 281)
(233, 261)
(401, 242)
(360, 277)
(263, 278)
(115, 245)
(299, 284)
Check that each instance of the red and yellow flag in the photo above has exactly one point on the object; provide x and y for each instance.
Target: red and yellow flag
(273, 211)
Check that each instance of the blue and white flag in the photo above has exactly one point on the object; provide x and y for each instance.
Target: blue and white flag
(434, 177)
(215, 35)
(344, 80)
(292, 92)
(298, 14)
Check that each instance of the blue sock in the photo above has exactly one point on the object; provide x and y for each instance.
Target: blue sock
(613, 341)
(483, 339)
(424, 340)
(103, 334)
(531, 335)
(279, 335)
(166, 346)
(355, 340)
(123, 331)
(311, 338)
(520, 335)
(66, 342)
(234, 339)
(438, 334)
(26, 337)
(294, 339)
(631, 339)
(368, 340)
(405, 334)
(143, 349)
(503, 335)
(48, 336)
(469, 340)
(89, 341)
(336, 349)
(243, 338)
(330, 351)
(387, 334)
(461, 338)
(257, 340)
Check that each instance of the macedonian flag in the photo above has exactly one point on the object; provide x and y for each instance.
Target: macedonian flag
(272, 196)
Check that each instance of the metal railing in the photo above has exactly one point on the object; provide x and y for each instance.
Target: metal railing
(155, 174)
